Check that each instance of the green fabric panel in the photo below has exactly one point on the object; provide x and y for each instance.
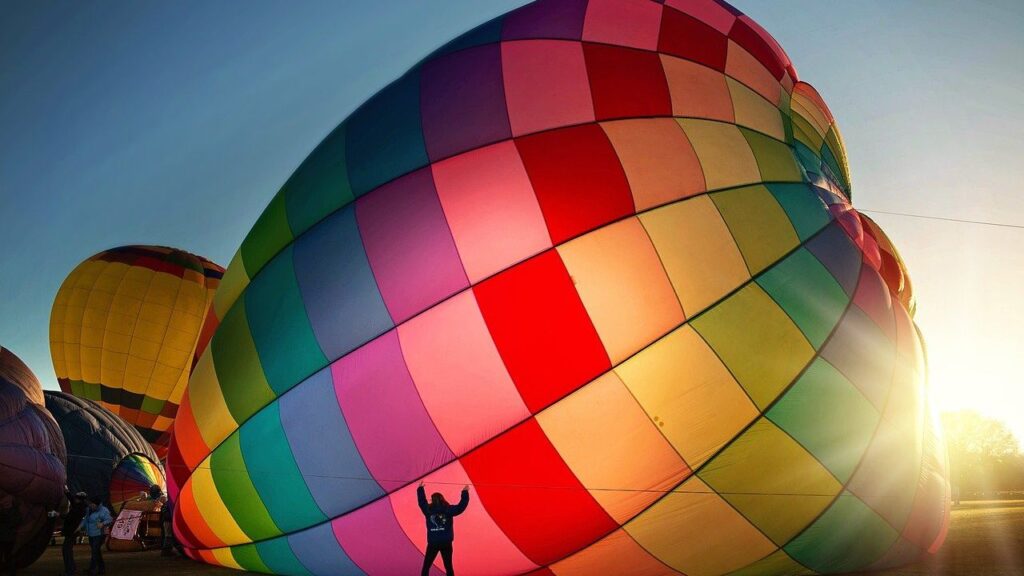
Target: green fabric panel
(807, 213)
(849, 536)
(773, 481)
(775, 160)
(804, 132)
(267, 237)
(830, 160)
(829, 417)
(152, 405)
(808, 159)
(785, 104)
(838, 153)
(757, 341)
(808, 293)
(776, 564)
(759, 225)
(248, 558)
(237, 365)
(287, 347)
(320, 185)
(275, 473)
(234, 484)
(278, 556)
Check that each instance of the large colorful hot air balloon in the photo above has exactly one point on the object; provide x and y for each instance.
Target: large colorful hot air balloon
(107, 457)
(598, 261)
(124, 330)
(31, 457)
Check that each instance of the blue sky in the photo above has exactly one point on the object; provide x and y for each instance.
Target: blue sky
(175, 123)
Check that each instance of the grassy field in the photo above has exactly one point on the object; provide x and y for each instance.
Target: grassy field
(985, 539)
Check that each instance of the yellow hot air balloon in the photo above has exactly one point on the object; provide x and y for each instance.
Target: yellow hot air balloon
(125, 329)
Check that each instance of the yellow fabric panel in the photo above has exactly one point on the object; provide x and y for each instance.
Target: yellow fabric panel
(616, 554)
(208, 407)
(724, 154)
(87, 274)
(611, 445)
(224, 557)
(699, 534)
(760, 226)
(95, 319)
(623, 286)
(772, 481)
(775, 159)
(659, 161)
(806, 108)
(743, 67)
(776, 564)
(759, 343)
(697, 250)
(232, 284)
(696, 91)
(680, 382)
(212, 508)
(754, 112)
(804, 132)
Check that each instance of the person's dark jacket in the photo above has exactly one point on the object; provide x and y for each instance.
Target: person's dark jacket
(73, 518)
(10, 519)
(441, 520)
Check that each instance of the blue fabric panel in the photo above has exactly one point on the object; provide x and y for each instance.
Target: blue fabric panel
(342, 301)
(864, 354)
(839, 254)
(384, 137)
(323, 447)
(278, 556)
(319, 551)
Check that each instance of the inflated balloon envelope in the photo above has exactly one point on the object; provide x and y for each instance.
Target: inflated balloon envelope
(598, 261)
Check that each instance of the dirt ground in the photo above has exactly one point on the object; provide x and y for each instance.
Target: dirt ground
(986, 538)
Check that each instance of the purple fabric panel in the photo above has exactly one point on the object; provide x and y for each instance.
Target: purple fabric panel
(409, 246)
(393, 431)
(463, 101)
(546, 19)
(374, 540)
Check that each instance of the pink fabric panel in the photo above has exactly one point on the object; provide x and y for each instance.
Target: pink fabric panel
(627, 23)
(491, 209)
(708, 11)
(389, 424)
(372, 538)
(872, 296)
(459, 373)
(482, 548)
(408, 244)
(546, 85)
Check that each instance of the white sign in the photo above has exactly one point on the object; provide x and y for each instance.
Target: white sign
(126, 525)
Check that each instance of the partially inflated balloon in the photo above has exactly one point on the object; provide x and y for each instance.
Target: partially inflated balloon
(31, 457)
(125, 329)
(106, 456)
(597, 260)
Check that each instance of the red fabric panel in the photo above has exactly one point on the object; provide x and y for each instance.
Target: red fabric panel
(751, 41)
(872, 296)
(626, 83)
(685, 36)
(541, 329)
(533, 496)
(578, 180)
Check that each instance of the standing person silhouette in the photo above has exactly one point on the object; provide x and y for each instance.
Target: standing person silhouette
(440, 517)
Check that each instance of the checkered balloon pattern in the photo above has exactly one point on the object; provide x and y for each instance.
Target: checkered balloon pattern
(598, 261)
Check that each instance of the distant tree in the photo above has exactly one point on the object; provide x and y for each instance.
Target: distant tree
(984, 455)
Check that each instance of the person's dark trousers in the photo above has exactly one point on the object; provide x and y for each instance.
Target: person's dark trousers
(68, 550)
(7, 558)
(96, 565)
(445, 548)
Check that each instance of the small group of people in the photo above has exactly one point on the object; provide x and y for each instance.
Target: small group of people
(87, 515)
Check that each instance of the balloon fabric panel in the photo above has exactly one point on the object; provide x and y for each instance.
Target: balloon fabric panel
(597, 260)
